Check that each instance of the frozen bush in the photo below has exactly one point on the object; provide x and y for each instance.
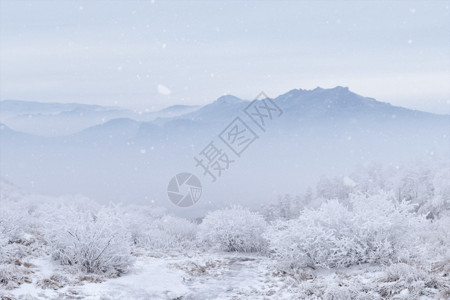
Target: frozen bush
(152, 229)
(94, 243)
(12, 277)
(373, 231)
(288, 207)
(167, 233)
(402, 271)
(11, 233)
(436, 236)
(171, 233)
(339, 292)
(408, 282)
(3, 242)
(233, 229)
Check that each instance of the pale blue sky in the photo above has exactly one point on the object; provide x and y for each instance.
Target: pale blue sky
(145, 54)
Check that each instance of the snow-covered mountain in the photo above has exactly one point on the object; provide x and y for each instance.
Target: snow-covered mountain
(169, 112)
(221, 110)
(59, 119)
(132, 157)
(34, 107)
(340, 102)
(54, 119)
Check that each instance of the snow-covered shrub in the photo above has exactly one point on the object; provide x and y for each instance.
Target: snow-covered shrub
(436, 236)
(167, 232)
(333, 188)
(93, 242)
(171, 233)
(402, 271)
(288, 207)
(152, 229)
(424, 182)
(374, 230)
(408, 282)
(233, 229)
(12, 276)
(336, 291)
(11, 232)
(4, 239)
(55, 281)
(439, 203)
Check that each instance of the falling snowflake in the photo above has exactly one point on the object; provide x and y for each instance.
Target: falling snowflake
(164, 90)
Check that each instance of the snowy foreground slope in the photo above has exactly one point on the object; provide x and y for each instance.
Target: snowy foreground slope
(198, 275)
(381, 234)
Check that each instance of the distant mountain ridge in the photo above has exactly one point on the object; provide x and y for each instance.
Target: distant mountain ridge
(337, 99)
(298, 104)
(121, 155)
(36, 106)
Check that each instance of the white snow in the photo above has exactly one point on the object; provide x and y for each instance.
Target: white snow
(150, 279)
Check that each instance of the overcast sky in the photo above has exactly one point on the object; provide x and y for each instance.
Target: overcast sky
(152, 54)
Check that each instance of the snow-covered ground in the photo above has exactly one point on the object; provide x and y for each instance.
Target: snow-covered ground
(199, 275)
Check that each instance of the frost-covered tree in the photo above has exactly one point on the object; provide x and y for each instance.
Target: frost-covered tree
(233, 229)
(152, 229)
(286, 207)
(373, 230)
(93, 242)
(333, 188)
(11, 231)
(424, 182)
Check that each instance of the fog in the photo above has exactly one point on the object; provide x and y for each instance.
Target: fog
(125, 159)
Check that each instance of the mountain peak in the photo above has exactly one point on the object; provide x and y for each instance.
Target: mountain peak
(336, 89)
(228, 99)
(340, 88)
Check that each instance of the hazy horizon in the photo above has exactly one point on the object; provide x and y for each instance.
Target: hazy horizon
(156, 109)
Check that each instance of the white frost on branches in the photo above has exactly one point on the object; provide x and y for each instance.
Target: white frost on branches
(233, 229)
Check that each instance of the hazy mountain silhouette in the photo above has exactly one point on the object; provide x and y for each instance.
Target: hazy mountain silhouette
(130, 159)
